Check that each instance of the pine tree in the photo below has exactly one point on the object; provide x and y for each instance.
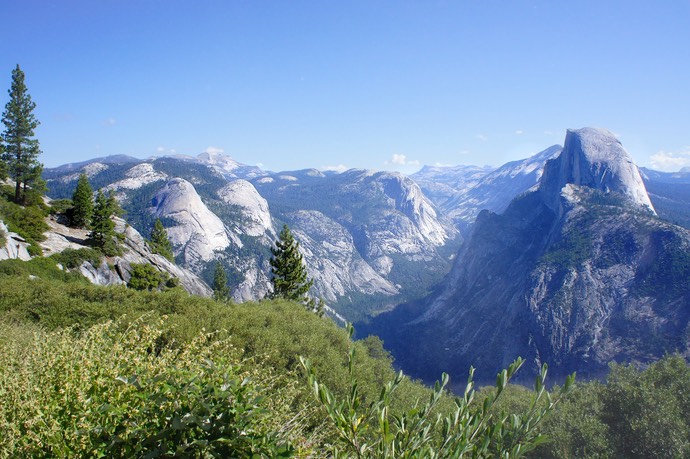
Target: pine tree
(102, 225)
(289, 274)
(82, 203)
(221, 291)
(160, 243)
(21, 149)
(3, 166)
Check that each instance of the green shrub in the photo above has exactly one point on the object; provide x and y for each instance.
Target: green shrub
(39, 267)
(146, 277)
(60, 206)
(576, 429)
(28, 222)
(74, 258)
(369, 430)
(108, 393)
(646, 411)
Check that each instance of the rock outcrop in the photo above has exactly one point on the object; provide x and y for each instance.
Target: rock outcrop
(253, 216)
(594, 158)
(113, 271)
(336, 266)
(197, 233)
(14, 246)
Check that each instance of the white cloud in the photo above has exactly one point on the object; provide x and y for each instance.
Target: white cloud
(110, 122)
(519, 132)
(481, 137)
(670, 161)
(214, 151)
(401, 160)
(339, 168)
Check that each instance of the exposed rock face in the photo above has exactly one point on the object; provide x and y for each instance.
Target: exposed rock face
(212, 213)
(15, 247)
(594, 158)
(577, 274)
(199, 233)
(363, 231)
(137, 251)
(336, 266)
(136, 177)
(255, 217)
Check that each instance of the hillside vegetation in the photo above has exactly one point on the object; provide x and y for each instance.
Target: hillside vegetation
(91, 371)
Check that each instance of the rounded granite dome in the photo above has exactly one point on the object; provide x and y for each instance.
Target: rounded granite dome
(594, 158)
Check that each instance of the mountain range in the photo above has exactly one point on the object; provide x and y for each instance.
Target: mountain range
(573, 256)
(576, 273)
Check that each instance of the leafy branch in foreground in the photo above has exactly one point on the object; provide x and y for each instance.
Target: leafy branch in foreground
(371, 431)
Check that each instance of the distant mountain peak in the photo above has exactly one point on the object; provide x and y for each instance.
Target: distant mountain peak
(594, 158)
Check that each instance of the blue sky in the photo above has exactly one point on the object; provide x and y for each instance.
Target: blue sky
(373, 84)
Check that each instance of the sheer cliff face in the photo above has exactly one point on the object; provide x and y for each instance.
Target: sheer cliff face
(595, 159)
(577, 273)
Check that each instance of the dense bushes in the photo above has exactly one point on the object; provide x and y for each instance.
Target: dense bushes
(28, 222)
(145, 276)
(73, 258)
(110, 393)
(370, 430)
(636, 414)
(261, 340)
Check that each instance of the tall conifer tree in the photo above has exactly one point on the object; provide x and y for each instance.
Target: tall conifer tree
(221, 291)
(82, 203)
(102, 225)
(160, 243)
(289, 274)
(21, 148)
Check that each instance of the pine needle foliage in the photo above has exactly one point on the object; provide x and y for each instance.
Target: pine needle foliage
(102, 225)
(221, 292)
(287, 267)
(21, 148)
(159, 242)
(82, 203)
